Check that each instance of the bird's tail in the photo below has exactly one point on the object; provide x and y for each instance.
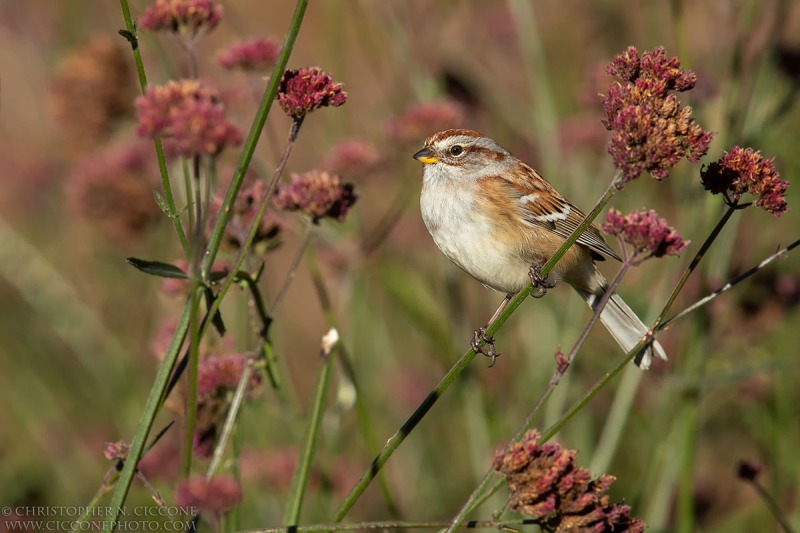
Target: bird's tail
(626, 328)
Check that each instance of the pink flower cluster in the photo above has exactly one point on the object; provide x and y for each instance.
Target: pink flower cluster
(181, 16)
(420, 120)
(304, 90)
(645, 231)
(190, 114)
(650, 130)
(547, 485)
(318, 194)
(257, 53)
(743, 170)
(222, 374)
(215, 496)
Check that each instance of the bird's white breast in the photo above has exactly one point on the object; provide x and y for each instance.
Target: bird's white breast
(464, 233)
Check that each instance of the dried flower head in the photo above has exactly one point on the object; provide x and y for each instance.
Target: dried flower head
(645, 231)
(190, 114)
(547, 485)
(419, 120)
(318, 194)
(182, 286)
(650, 130)
(353, 157)
(245, 209)
(743, 170)
(116, 451)
(215, 496)
(91, 90)
(256, 53)
(749, 469)
(114, 188)
(304, 90)
(190, 18)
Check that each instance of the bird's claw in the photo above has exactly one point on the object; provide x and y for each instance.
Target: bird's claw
(540, 283)
(486, 349)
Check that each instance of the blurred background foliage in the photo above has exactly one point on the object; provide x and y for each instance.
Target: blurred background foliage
(79, 329)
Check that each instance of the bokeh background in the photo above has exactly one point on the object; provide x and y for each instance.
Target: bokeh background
(80, 331)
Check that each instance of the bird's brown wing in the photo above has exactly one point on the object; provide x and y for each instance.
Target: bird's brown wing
(543, 206)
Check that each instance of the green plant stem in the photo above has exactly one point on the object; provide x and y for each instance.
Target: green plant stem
(693, 265)
(215, 240)
(190, 414)
(303, 469)
(773, 506)
(162, 162)
(394, 442)
(146, 421)
(362, 414)
(162, 378)
(735, 281)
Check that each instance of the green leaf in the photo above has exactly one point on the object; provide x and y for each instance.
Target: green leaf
(216, 320)
(162, 204)
(157, 268)
(218, 275)
(130, 37)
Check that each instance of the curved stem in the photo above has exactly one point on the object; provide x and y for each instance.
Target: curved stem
(215, 240)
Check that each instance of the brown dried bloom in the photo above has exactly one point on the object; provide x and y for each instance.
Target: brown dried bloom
(190, 18)
(650, 130)
(418, 121)
(646, 232)
(116, 451)
(91, 90)
(318, 194)
(256, 53)
(215, 496)
(114, 188)
(304, 90)
(190, 114)
(547, 485)
(743, 170)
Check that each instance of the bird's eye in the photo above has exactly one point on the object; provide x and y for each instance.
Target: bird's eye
(456, 150)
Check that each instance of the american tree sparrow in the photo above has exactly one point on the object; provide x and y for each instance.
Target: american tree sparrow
(498, 220)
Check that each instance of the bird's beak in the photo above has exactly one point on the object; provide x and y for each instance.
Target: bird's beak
(426, 156)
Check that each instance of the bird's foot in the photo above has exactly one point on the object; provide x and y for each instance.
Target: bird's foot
(540, 283)
(486, 349)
